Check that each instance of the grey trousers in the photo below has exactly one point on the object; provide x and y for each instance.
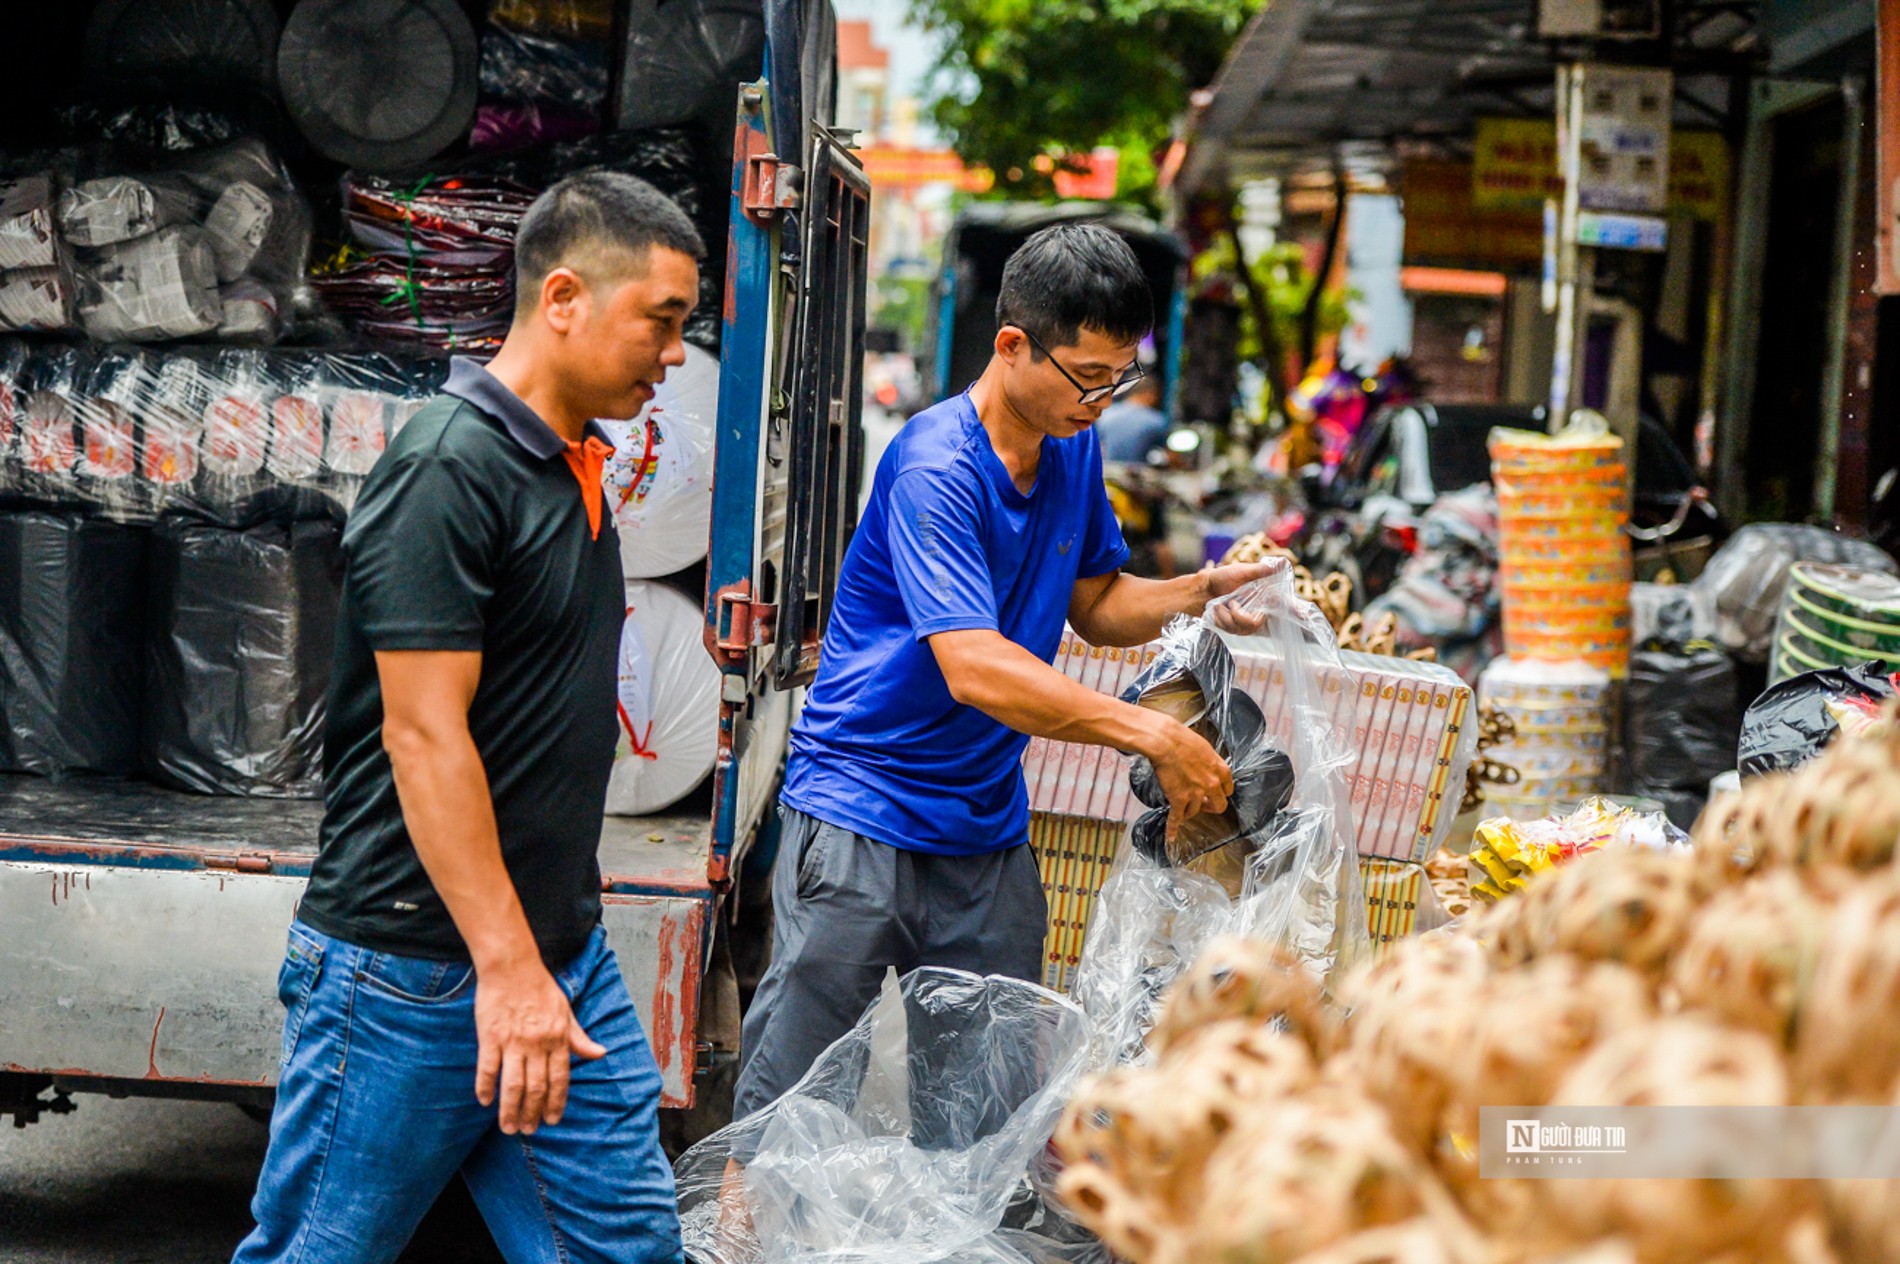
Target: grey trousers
(847, 909)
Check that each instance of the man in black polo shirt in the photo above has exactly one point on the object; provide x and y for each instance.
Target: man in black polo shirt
(452, 1004)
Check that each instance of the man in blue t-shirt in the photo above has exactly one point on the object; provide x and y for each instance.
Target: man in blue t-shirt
(988, 525)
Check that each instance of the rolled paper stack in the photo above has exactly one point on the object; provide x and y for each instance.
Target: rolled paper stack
(1564, 562)
(667, 702)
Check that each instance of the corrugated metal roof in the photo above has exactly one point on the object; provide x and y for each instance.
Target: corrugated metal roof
(1313, 79)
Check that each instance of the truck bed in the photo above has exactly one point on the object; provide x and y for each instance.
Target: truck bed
(110, 821)
(144, 929)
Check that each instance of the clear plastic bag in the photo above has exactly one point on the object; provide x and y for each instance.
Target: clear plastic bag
(1744, 581)
(205, 243)
(1293, 880)
(910, 1139)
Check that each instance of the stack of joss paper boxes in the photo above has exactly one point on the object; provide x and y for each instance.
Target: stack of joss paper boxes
(1411, 726)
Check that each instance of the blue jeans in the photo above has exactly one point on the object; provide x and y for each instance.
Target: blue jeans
(376, 1110)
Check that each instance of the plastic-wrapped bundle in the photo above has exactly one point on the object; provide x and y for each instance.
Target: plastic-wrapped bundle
(210, 242)
(457, 218)
(1294, 882)
(1795, 720)
(441, 268)
(659, 480)
(552, 52)
(49, 446)
(684, 56)
(27, 239)
(72, 618)
(152, 288)
(242, 627)
(113, 209)
(13, 362)
(107, 404)
(667, 701)
(464, 307)
(908, 1140)
(37, 300)
(1682, 717)
(1745, 580)
(1192, 682)
(174, 424)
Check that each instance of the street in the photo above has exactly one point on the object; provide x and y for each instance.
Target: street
(162, 1182)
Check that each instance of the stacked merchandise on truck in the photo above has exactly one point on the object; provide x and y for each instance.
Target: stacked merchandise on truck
(659, 479)
(431, 262)
(224, 433)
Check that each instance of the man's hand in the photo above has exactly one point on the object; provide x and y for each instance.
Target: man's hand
(1192, 775)
(1221, 581)
(527, 1032)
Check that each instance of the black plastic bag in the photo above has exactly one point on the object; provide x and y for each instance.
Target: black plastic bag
(1681, 716)
(1192, 681)
(243, 626)
(1797, 719)
(72, 592)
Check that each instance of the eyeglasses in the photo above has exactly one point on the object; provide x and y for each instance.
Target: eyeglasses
(1090, 394)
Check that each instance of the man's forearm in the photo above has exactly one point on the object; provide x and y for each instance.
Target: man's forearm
(1017, 689)
(1132, 610)
(447, 806)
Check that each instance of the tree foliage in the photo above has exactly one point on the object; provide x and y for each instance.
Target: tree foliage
(1022, 80)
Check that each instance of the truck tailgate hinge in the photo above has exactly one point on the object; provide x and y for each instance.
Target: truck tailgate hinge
(243, 862)
(770, 186)
(743, 623)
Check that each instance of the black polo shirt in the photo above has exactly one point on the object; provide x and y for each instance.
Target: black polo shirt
(472, 534)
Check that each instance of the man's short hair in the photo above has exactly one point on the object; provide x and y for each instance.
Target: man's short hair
(597, 223)
(1073, 277)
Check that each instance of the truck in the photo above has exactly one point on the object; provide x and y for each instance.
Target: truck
(141, 928)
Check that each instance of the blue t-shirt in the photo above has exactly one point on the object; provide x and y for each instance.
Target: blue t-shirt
(946, 543)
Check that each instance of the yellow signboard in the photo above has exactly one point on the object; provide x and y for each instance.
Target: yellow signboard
(1514, 168)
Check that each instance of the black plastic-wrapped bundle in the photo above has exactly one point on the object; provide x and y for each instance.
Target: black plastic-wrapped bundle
(1192, 681)
(551, 53)
(243, 624)
(72, 612)
(1681, 716)
(1797, 719)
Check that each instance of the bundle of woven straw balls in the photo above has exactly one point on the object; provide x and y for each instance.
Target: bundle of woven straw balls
(1276, 1123)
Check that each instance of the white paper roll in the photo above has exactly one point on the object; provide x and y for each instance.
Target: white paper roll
(668, 703)
(659, 480)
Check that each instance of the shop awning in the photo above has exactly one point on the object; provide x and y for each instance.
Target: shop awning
(1314, 80)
